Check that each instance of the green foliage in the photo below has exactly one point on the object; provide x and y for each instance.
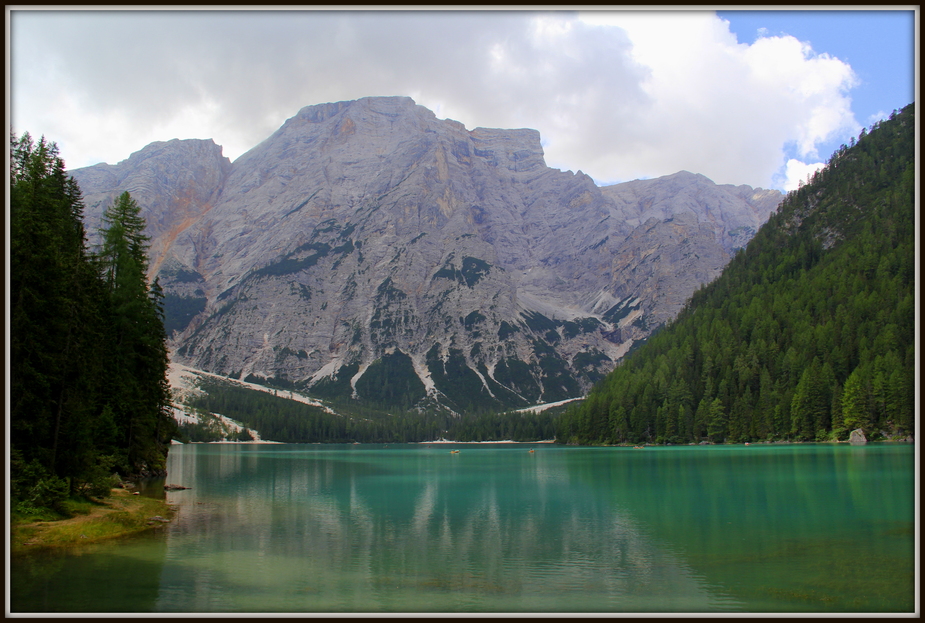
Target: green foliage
(179, 311)
(289, 265)
(474, 318)
(391, 381)
(210, 428)
(520, 377)
(280, 419)
(619, 311)
(538, 323)
(557, 381)
(136, 379)
(587, 361)
(47, 493)
(100, 478)
(448, 271)
(513, 426)
(337, 385)
(473, 269)
(391, 319)
(88, 388)
(33, 489)
(855, 408)
(458, 382)
(807, 334)
(243, 435)
(505, 330)
(288, 421)
(309, 254)
(572, 328)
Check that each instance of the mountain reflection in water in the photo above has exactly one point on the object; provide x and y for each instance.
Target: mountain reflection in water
(408, 528)
(496, 528)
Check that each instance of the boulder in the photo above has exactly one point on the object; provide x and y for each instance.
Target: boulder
(857, 437)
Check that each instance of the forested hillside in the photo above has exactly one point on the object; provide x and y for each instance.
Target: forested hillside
(808, 333)
(289, 421)
(88, 389)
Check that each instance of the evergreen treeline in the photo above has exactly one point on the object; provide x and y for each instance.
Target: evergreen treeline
(211, 428)
(807, 334)
(511, 426)
(281, 419)
(88, 389)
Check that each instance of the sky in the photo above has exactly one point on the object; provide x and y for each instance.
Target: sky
(743, 97)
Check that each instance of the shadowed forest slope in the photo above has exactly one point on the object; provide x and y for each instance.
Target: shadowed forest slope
(808, 333)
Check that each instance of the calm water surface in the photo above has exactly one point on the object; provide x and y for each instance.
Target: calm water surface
(495, 528)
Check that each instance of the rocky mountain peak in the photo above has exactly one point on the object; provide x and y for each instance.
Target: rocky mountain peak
(370, 250)
(734, 212)
(175, 182)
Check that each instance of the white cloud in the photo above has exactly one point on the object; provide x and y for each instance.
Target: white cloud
(809, 90)
(729, 107)
(877, 116)
(619, 95)
(797, 173)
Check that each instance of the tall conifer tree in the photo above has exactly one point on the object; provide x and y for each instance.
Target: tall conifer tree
(88, 388)
(139, 395)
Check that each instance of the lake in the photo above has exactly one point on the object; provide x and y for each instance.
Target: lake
(497, 528)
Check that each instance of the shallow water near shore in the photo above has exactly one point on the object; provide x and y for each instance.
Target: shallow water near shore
(496, 528)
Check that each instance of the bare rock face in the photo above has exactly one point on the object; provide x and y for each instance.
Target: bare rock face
(733, 213)
(685, 230)
(175, 182)
(369, 249)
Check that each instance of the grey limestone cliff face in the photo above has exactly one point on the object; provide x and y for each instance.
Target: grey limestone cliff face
(174, 183)
(734, 213)
(685, 229)
(370, 250)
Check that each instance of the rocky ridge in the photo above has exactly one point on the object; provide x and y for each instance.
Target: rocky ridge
(370, 250)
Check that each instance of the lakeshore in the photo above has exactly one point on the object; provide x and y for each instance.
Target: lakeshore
(119, 515)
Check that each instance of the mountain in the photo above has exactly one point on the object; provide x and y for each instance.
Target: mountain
(369, 250)
(807, 335)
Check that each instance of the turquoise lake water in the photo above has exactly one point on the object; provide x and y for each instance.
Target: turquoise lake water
(496, 528)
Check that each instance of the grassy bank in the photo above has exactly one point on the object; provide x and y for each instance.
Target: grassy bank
(119, 515)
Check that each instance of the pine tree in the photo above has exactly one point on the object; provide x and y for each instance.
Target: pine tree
(55, 321)
(88, 388)
(140, 397)
(855, 407)
(716, 421)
